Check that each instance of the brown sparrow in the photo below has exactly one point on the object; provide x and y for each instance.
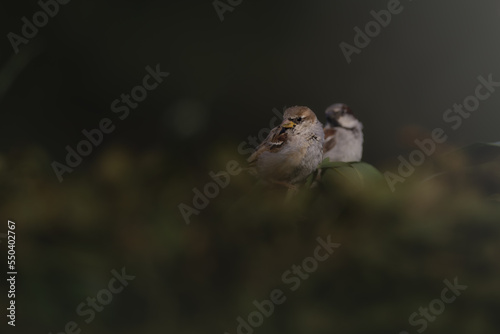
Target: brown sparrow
(292, 150)
(343, 134)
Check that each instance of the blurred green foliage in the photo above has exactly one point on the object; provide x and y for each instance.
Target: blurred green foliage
(121, 210)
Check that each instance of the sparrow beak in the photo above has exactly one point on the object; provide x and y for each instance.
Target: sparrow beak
(289, 125)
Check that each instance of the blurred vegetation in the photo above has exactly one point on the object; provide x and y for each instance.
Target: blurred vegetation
(121, 210)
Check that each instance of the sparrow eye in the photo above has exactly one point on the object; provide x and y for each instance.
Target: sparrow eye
(299, 119)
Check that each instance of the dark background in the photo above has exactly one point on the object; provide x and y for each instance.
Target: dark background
(120, 206)
(262, 56)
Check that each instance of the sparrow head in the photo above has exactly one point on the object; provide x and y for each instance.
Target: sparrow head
(340, 115)
(298, 118)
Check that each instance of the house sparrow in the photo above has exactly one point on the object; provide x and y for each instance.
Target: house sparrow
(292, 150)
(343, 134)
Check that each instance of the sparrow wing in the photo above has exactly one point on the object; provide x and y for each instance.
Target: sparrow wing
(273, 143)
(329, 139)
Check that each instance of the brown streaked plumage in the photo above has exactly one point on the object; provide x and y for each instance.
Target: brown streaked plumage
(329, 139)
(292, 150)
